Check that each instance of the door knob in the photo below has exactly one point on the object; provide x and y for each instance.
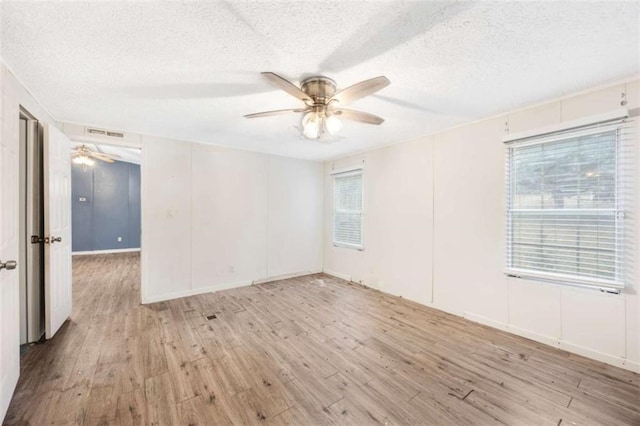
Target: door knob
(56, 240)
(8, 265)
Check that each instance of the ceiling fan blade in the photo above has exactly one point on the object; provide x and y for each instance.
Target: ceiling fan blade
(360, 90)
(275, 112)
(104, 157)
(286, 85)
(80, 153)
(363, 117)
(104, 154)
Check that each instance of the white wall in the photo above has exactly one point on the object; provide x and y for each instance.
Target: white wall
(398, 253)
(434, 233)
(215, 218)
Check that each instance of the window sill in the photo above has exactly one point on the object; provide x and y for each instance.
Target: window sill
(603, 287)
(349, 246)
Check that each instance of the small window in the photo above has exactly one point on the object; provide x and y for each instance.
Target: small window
(347, 209)
(565, 206)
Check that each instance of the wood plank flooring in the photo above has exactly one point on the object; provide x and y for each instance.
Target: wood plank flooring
(303, 351)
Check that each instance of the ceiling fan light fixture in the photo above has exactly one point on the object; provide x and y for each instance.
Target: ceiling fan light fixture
(333, 124)
(311, 125)
(84, 161)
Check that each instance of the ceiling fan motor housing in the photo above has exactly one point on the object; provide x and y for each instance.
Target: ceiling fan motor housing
(319, 88)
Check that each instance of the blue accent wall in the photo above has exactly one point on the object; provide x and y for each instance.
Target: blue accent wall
(106, 206)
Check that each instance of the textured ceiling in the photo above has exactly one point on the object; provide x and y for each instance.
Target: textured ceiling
(191, 70)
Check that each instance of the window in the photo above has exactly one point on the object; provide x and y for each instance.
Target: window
(347, 209)
(565, 206)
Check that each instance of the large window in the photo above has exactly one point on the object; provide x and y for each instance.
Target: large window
(347, 209)
(565, 209)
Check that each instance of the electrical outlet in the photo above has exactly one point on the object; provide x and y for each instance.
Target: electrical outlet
(119, 239)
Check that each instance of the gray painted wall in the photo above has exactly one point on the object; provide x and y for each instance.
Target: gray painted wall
(105, 206)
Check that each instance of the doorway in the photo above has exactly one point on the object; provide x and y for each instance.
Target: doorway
(31, 229)
(106, 214)
(106, 199)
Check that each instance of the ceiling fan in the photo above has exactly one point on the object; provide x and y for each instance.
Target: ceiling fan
(323, 103)
(85, 156)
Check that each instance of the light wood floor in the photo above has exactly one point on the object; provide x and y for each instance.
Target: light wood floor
(311, 350)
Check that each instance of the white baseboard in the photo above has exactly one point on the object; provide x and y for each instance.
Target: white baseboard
(557, 343)
(632, 365)
(337, 275)
(286, 276)
(127, 250)
(444, 309)
(219, 287)
(593, 354)
(547, 340)
(193, 292)
(485, 321)
(542, 338)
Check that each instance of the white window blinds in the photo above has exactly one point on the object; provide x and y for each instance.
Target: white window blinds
(566, 199)
(347, 209)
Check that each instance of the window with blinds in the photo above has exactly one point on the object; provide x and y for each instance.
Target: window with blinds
(347, 209)
(565, 206)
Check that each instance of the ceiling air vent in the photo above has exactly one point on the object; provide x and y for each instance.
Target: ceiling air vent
(101, 132)
(96, 131)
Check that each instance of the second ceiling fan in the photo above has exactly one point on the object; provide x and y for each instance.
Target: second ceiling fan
(323, 102)
(85, 156)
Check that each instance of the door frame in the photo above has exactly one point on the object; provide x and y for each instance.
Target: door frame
(35, 291)
(77, 134)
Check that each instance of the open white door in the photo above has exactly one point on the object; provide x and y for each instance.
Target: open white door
(57, 229)
(9, 296)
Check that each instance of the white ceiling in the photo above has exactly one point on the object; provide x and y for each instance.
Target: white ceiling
(191, 70)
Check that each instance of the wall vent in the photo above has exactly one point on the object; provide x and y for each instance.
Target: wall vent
(110, 133)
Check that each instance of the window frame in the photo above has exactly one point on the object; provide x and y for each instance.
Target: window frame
(345, 173)
(618, 210)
